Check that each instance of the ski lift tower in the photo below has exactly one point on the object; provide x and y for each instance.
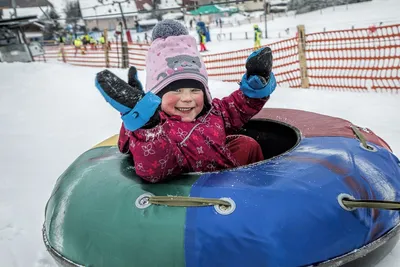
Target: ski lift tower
(13, 44)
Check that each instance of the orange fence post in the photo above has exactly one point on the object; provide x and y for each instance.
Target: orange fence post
(105, 47)
(305, 83)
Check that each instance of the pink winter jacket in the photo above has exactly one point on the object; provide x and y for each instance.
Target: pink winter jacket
(174, 147)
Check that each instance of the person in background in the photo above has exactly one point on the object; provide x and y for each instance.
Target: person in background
(257, 37)
(93, 43)
(79, 46)
(202, 42)
(61, 44)
(102, 42)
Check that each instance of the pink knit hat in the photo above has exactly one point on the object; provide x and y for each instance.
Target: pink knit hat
(172, 58)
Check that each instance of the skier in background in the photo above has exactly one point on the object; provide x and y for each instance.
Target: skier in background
(78, 46)
(202, 41)
(102, 42)
(257, 37)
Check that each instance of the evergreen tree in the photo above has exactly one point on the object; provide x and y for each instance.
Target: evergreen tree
(303, 6)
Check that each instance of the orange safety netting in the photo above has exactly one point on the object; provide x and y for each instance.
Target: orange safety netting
(367, 58)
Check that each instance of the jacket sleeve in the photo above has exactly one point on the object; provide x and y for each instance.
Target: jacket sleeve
(237, 109)
(123, 140)
(156, 157)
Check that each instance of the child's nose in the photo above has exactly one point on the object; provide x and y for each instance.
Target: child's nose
(186, 96)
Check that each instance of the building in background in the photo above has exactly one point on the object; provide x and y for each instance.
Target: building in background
(24, 8)
(14, 44)
(278, 6)
(109, 16)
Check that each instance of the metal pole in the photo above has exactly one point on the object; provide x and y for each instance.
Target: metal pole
(14, 6)
(265, 18)
(97, 19)
(123, 17)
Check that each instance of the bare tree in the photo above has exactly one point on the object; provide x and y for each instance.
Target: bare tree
(73, 15)
(52, 27)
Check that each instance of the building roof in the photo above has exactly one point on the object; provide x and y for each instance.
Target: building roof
(92, 8)
(20, 21)
(23, 12)
(25, 3)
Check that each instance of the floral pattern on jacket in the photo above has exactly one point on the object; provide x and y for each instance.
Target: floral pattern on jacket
(174, 147)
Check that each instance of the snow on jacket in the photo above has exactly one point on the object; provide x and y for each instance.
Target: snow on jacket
(174, 147)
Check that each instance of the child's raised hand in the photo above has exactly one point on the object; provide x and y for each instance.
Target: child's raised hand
(133, 79)
(258, 81)
(136, 107)
(259, 63)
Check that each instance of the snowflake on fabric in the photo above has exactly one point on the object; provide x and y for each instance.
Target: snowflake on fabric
(170, 171)
(162, 145)
(154, 179)
(200, 129)
(219, 126)
(198, 164)
(208, 141)
(232, 105)
(163, 162)
(241, 95)
(199, 150)
(206, 121)
(150, 171)
(211, 166)
(132, 144)
(180, 159)
(140, 167)
(128, 133)
(181, 133)
(154, 164)
(224, 149)
(148, 150)
(215, 133)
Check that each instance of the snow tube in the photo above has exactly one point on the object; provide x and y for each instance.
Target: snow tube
(285, 211)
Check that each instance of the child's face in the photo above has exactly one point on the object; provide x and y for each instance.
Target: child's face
(185, 102)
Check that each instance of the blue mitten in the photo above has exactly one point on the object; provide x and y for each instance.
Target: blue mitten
(137, 108)
(258, 81)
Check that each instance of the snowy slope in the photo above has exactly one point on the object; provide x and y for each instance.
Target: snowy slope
(56, 113)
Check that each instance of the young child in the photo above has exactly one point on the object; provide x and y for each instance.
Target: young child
(257, 37)
(202, 42)
(174, 126)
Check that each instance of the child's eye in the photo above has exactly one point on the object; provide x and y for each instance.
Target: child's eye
(178, 90)
(196, 90)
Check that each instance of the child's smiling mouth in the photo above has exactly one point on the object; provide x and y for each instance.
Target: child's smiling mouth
(184, 110)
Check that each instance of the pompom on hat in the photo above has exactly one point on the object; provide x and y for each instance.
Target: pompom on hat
(173, 56)
(167, 28)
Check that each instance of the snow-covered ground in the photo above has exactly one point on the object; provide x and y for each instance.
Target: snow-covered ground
(51, 113)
